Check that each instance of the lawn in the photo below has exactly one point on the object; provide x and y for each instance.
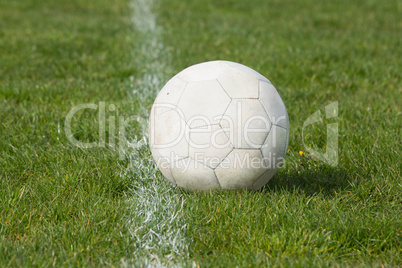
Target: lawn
(61, 205)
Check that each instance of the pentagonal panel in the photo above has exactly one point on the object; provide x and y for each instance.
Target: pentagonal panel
(209, 145)
(240, 169)
(274, 148)
(246, 123)
(274, 105)
(192, 175)
(264, 179)
(203, 103)
(171, 92)
(245, 69)
(203, 71)
(168, 135)
(239, 84)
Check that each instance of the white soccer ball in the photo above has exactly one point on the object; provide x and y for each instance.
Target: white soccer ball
(218, 124)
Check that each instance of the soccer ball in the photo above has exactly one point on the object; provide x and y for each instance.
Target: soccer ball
(218, 124)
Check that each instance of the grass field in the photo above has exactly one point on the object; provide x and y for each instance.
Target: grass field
(61, 205)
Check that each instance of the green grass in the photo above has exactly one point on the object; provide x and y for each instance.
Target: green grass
(314, 53)
(62, 205)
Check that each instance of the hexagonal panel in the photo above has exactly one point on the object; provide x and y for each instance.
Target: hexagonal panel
(246, 123)
(203, 71)
(168, 135)
(264, 179)
(172, 91)
(240, 169)
(203, 103)
(192, 175)
(274, 105)
(209, 145)
(275, 146)
(239, 84)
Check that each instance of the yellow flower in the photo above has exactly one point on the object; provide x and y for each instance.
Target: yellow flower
(301, 153)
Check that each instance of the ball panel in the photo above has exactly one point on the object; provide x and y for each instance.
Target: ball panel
(209, 145)
(245, 69)
(246, 123)
(274, 148)
(264, 179)
(166, 172)
(240, 169)
(273, 104)
(192, 175)
(203, 71)
(203, 103)
(169, 135)
(161, 108)
(239, 84)
(163, 165)
(172, 91)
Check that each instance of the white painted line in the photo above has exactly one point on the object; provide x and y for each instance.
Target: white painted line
(155, 219)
